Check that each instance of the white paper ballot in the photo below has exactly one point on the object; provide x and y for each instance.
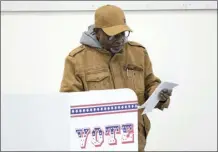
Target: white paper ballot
(154, 99)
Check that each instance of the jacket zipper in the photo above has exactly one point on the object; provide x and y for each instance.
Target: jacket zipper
(111, 71)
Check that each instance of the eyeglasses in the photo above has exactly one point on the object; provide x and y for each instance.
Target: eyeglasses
(124, 34)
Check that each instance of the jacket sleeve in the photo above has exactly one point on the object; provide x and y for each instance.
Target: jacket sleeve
(151, 82)
(70, 81)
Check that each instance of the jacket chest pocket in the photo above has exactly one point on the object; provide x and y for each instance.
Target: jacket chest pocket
(98, 81)
(134, 77)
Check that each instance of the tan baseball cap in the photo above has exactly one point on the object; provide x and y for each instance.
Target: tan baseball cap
(111, 19)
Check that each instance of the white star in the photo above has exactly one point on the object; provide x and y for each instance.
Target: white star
(125, 107)
(72, 111)
(76, 111)
(84, 110)
(115, 107)
(94, 109)
(91, 109)
(108, 108)
(105, 108)
(128, 106)
(97, 109)
(112, 108)
(101, 109)
(118, 107)
(87, 110)
(80, 110)
(132, 106)
(122, 107)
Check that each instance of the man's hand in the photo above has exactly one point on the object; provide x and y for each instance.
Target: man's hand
(164, 95)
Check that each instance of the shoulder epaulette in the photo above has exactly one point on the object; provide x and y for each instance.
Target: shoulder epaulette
(135, 44)
(76, 50)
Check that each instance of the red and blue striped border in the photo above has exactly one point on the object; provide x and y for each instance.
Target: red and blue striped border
(104, 108)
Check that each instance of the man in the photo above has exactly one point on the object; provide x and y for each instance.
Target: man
(107, 60)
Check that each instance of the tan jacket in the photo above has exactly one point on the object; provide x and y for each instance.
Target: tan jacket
(88, 68)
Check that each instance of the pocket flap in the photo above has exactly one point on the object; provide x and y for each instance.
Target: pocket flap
(97, 76)
(133, 67)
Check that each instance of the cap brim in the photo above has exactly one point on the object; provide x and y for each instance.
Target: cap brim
(114, 30)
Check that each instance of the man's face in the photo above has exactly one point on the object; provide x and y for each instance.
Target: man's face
(113, 44)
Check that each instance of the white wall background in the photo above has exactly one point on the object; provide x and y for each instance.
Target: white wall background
(181, 40)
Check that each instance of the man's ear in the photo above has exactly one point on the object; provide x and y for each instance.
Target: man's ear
(97, 32)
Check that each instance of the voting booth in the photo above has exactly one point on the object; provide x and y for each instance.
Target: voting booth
(104, 120)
